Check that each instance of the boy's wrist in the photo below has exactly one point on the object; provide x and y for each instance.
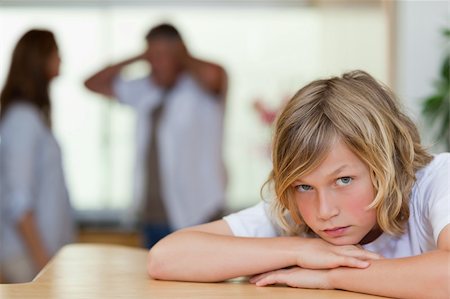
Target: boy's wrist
(296, 250)
(334, 277)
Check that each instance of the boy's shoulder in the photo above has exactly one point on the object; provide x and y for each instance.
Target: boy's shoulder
(439, 166)
(431, 189)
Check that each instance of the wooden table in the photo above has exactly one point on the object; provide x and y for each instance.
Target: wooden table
(111, 271)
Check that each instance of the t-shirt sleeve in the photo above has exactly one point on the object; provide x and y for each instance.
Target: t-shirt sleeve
(439, 195)
(252, 222)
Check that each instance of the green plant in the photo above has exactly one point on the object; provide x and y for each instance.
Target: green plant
(436, 108)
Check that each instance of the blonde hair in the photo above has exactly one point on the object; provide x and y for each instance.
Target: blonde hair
(365, 115)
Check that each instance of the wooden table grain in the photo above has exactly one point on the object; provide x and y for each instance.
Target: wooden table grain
(85, 271)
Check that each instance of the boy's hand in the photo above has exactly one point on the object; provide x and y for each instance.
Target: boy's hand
(294, 277)
(319, 254)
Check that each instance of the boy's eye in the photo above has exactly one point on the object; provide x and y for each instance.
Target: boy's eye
(303, 188)
(344, 181)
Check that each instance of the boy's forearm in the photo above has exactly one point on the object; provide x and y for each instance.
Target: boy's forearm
(424, 276)
(216, 257)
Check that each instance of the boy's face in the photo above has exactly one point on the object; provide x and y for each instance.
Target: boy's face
(333, 198)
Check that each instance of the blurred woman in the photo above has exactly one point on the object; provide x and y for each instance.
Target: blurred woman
(35, 214)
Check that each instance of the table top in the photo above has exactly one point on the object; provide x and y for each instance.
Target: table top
(113, 271)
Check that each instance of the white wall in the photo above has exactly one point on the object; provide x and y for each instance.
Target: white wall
(268, 52)
(420, 50)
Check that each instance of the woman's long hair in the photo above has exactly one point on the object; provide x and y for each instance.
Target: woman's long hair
(28, 77)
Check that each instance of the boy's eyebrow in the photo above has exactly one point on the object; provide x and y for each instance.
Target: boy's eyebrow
(340, 169)
(334, 173)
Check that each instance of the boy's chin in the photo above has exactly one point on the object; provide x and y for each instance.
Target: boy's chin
(341, 241)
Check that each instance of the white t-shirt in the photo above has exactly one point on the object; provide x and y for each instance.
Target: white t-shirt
(429, 214)
(189, 146)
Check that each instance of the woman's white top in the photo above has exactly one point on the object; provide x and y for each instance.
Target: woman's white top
(429, 214)
(31, 179)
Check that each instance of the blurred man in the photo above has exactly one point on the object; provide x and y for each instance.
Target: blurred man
(180, 177)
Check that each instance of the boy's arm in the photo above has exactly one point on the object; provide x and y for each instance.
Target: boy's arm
(210, 252)
(422, 276)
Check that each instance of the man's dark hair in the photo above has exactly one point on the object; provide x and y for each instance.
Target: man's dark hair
(163, 31)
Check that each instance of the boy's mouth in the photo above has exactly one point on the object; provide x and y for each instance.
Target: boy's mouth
(336, 231)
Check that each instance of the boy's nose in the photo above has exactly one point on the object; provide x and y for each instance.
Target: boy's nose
(327, 208)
